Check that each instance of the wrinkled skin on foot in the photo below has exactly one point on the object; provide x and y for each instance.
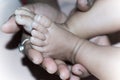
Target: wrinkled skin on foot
(24, 18)
(11, 27)
(58, 41)
(39, 8)
(41, 37)
(63, 45)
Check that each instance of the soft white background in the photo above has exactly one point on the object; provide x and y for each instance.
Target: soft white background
(11, 67)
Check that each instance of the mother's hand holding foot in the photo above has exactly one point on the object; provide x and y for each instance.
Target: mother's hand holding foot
(34, 55)
(99, 60)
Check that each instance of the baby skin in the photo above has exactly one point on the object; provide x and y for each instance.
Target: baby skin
(27, 19)
(52, 40)
(24, 20)
(34, 23)
(58, 17)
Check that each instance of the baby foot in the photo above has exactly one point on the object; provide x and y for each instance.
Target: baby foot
(26, 18)
(52, 40)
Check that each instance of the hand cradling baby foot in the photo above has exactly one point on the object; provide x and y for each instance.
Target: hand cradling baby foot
(45, 31)
(42, 34)
(52, 39)
(11, 27)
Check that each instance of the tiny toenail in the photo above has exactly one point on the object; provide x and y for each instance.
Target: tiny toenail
(34, 24)
(62, 76)
(19, 17)
(37, 18)
(32, 39)
(34, 32)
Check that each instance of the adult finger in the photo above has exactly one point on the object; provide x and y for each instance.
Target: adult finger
(24, 20)
(49, 65)
(80, 71)
(33, 55)
(10, 26)
(63, 70)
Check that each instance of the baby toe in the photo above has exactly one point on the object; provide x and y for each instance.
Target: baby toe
(37, 42)
(25, 21)
(50, 65)
(38, 35)
(35, 56)
(39, 27)
(24, 11)
(74, 77)
(43, 20)
(85, 5)
(63, 70)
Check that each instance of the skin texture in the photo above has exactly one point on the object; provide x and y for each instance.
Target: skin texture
(22, 21)
(76, 50)
(11, 27)
(82, 53)
(84, 5)
(37, 61)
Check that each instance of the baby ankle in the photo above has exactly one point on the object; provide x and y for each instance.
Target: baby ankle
(77, 49)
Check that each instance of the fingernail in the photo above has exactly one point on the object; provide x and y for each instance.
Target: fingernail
(80, 72)
(36, 61)
(18, 19)
(61, 76)
(18, 16)
(49, 70)
(32, 39)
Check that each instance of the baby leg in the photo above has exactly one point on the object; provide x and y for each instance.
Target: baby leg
(27, 20)
(62, 44)
(100, 19)
(50, 30)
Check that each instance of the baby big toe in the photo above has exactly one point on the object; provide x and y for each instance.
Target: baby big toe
(24, 11)
(38, 35)
(25, 21)
(43, 20)
(37, 42)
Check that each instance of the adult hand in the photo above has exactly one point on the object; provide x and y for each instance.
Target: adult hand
(11, 27)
